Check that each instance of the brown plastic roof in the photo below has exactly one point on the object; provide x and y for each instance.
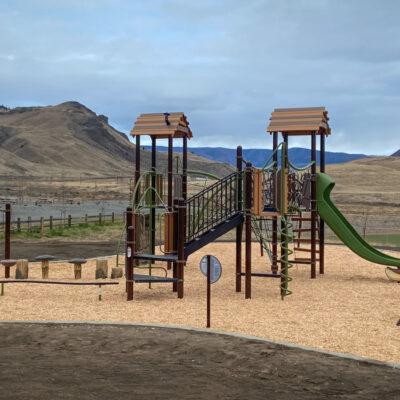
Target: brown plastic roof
(162, 125)
(299, 121)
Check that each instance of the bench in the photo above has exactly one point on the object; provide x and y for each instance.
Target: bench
(54, 282)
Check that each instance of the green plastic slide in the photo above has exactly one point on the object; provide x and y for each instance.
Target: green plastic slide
(342, 228)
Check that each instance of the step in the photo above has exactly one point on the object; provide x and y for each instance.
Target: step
(138, 278)
(304, 240)
(303, 249)
(262, 275)
(302, 219)
(305, 261)
(156, 257)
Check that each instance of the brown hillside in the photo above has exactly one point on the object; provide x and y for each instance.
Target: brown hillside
(70, 140)
(368, 185)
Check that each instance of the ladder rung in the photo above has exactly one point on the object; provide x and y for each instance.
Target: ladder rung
(305, 261)
(304, 240)
(302, 249)
(301, 218)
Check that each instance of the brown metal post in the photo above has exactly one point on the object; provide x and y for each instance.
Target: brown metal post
(7, 238)
(169, 179)
(208, 291)
(248, 204)
(184, 169)
(175, 227)
(284, 250)
(137, 166)
(239, 228)
(130, 251)
(313, 204)
(153, 196)
(181, 246)
(321, 221)
(274, 266)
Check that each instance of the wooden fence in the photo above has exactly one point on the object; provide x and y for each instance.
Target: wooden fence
(40, 224)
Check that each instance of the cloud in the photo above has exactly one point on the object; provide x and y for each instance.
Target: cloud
(226, 64)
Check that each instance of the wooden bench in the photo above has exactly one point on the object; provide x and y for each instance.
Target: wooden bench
(54, 282)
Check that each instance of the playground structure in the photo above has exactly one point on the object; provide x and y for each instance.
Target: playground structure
(280, 204)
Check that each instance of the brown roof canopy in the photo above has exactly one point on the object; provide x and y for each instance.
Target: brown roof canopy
(299, 121)
(162, 125)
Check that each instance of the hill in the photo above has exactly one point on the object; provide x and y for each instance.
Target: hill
(299, 156)
(71, 140)
(396, 154)
(369, 185)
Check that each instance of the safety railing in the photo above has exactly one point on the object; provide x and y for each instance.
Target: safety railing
(212, 205)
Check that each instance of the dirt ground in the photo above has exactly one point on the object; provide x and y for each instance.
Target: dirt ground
(67, 361)
(63, 250)
(352, 309)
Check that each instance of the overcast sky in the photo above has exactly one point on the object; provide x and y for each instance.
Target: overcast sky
(226, 64)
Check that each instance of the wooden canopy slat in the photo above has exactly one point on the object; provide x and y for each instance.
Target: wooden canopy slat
(301, 109)
(287, 116)
(299, 123)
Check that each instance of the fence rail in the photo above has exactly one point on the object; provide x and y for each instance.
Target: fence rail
(51, 222)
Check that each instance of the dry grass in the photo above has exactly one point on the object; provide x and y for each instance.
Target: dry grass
(352, 309)
(368, 185)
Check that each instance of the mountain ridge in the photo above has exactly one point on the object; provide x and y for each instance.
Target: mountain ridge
(72, 140)
(258, 157)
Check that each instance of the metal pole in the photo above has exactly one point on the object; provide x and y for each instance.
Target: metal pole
(274, 266)
(313, 204)
(321, 221)
(181, 246)
(248, 204)
(283, 200)
(137, 167)
(153, 197)
(130, 251)
(175, 227)
(169, 179)
(208, 291)
(239, 228)
(7, 238)
(184, 169)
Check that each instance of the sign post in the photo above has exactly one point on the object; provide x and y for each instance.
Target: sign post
(211, 268)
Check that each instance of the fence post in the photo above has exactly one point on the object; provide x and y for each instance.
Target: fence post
(51, 222)
(86, 219)
(18, 224)
(112, 217)
(100, 218)
(41, 226)
(29, 224)
(69, 221)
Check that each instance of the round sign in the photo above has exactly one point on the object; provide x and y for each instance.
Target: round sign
(215, 268)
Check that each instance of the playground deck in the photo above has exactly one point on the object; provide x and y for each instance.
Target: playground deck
(352, 309)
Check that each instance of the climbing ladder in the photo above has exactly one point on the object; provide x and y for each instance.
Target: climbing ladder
(302, 238)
